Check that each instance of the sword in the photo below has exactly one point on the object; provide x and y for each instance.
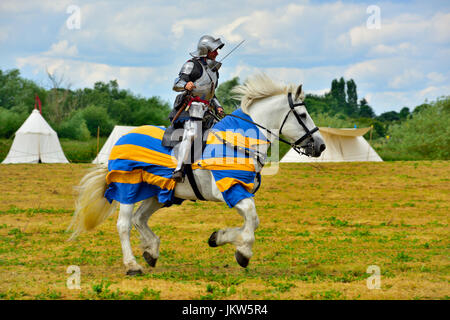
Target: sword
(219, 63)
(187, 96)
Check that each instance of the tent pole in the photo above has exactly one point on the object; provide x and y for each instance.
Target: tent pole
(98, 140)
(370, 142)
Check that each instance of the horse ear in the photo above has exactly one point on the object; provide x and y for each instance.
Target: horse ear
(298, 92)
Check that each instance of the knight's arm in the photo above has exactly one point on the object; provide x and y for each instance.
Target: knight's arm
(215, 103)
(184, 76)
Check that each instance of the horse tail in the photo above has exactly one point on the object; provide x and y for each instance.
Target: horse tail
(91, 207)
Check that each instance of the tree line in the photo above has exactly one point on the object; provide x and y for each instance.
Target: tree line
(76, 114)
(339, 107)
(423, 133)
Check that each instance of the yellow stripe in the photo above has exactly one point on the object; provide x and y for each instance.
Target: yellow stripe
(137, 153)
(234, 138)
(226, 163)
(151, 131)
(226, 183)
(138, 176)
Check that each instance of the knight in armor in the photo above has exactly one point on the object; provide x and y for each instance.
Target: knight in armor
(197, 80)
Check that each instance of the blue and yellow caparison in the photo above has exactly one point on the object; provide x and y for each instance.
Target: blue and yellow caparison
(140, 167)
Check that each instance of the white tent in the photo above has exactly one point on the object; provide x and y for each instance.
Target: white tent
(34, 142)
(341, 145)
(117, 132)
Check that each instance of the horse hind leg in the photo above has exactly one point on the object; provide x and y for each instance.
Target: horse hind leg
(124, 228)
(149, 240)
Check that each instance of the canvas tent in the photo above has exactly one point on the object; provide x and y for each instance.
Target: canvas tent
(341, 145)
(34, 142)
(117, 132)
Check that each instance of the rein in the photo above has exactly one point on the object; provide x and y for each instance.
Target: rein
(295, 145)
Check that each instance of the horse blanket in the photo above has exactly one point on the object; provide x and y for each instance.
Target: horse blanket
(140, 167)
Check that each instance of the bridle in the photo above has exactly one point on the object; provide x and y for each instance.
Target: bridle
(308, 133)
(296, 145)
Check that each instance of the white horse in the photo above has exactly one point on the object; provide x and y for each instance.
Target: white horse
(270, 105)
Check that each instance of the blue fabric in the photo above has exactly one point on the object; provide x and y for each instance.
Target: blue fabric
(145, 180)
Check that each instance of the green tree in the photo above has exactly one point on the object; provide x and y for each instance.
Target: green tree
(421, 107)
(74, 128)
(389, 116)
(404, 113)
(352, 99)
(14, 90)
(10, 121)
(365, 111)
(96, 117)
(223, 94)
(338, 101)
(423, 136)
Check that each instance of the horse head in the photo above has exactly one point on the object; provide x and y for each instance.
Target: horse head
(298, 126)
(281, 107)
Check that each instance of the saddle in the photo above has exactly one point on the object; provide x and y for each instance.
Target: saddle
(173, 135)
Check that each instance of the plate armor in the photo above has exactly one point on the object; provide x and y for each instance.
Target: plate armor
(203, 72)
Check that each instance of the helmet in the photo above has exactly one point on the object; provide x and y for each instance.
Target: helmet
(205, 45)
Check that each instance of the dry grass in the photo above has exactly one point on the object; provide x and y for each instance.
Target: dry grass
(321, 227)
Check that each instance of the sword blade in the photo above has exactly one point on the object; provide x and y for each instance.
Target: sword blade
(232, 50)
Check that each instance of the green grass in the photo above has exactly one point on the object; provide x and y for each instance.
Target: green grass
(312, 243)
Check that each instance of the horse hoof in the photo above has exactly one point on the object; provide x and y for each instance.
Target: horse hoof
(134, 272)
(212, 240)
(150, 260)
(243, 261)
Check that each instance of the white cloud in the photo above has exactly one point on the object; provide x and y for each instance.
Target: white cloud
(228, 30)
(62, 49)
(436, 77)
(144, 44)
(434, 91)
(406, 78)
(32, 5)
(404, 48)
(403, 27)
(85, 74)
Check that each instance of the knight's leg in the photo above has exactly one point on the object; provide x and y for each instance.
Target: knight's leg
(190, 130)
(243, 237)
(124, 228)
(149, 240)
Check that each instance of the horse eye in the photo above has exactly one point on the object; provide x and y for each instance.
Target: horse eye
(303, 115)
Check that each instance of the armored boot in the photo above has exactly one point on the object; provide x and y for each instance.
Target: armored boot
(178, 174)
(190, 128)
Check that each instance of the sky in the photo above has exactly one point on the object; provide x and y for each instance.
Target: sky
(396, 51)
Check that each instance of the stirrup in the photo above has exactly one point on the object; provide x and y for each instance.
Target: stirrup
(178, 176)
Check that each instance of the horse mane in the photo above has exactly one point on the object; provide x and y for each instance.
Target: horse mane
(260, 86)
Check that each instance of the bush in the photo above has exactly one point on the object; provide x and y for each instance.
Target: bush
(74, 128)
(423, 136)
(5, 145)
(335, 121)
(81, 151)
(98, 117)
(10, 122)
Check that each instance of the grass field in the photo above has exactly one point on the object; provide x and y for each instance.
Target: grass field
(321, 227)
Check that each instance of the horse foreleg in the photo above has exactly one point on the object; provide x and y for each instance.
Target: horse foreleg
(243, 237)
(124, 228)
(149, 240)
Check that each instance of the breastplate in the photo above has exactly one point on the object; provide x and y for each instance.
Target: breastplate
(206, 84)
